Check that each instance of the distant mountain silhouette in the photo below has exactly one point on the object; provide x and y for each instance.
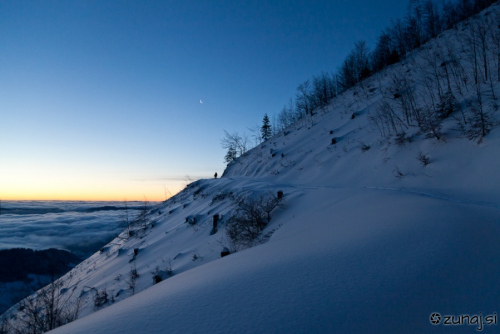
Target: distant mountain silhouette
(17, 263)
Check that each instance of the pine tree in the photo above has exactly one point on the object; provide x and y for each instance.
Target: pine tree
(266, 128)
(230, 155)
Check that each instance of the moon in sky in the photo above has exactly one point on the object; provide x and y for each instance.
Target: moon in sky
(201, 102)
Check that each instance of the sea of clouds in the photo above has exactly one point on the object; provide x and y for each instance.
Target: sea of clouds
(79, 227)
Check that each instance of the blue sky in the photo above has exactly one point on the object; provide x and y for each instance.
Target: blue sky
(101, 99)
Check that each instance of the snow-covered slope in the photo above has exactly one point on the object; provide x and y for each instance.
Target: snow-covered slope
(370, 239)
(344, 261)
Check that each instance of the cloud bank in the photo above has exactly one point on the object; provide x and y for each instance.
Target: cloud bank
(79, 227)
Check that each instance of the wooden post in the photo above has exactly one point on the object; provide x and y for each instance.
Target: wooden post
(215, 221)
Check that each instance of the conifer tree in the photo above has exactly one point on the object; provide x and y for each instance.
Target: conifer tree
(266, 128)
(230, 155)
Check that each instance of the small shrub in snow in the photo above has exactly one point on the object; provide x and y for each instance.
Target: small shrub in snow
(397, 172)
(155, 274)
(100, 298)
(134, 273)
(423, 158)
(132, 279)
(401, 138)
(196, 256)
(364, 147)
(169, 270)
(431, 124)
(134, 224)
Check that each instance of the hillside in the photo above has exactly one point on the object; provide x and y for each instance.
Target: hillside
(378, 230)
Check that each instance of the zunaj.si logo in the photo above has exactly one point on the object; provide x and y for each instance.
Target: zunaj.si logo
(464, 319)
(435, 318)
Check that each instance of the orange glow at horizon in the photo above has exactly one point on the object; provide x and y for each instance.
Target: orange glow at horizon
(79, 197)
(91, 191)
(71, 182)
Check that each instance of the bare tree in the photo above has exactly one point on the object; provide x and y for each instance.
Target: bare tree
(303, 98)
(458, 74)
(356, 66)
(236, 141)
(483, 32)
(386, 120)
(288, 115)
(495, 42)
(414, 24)
(480, 121)
(256, 134)
(274, 128)
(126, 220)
(49, 308)
(432, 20)
(385, 52)
(471, 38)
(405, 97)
(141, 219)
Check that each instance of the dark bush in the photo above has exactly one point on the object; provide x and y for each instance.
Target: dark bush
(423, 158)
(100, 298)
(251, 217)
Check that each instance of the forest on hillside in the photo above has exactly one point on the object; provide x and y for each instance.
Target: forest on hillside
(447, 77)
(18, 263)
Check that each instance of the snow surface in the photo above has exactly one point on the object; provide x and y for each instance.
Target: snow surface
(357, 248)
(361, 261)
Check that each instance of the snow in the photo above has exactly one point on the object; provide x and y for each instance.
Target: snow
(351, 271)
(358, 248)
